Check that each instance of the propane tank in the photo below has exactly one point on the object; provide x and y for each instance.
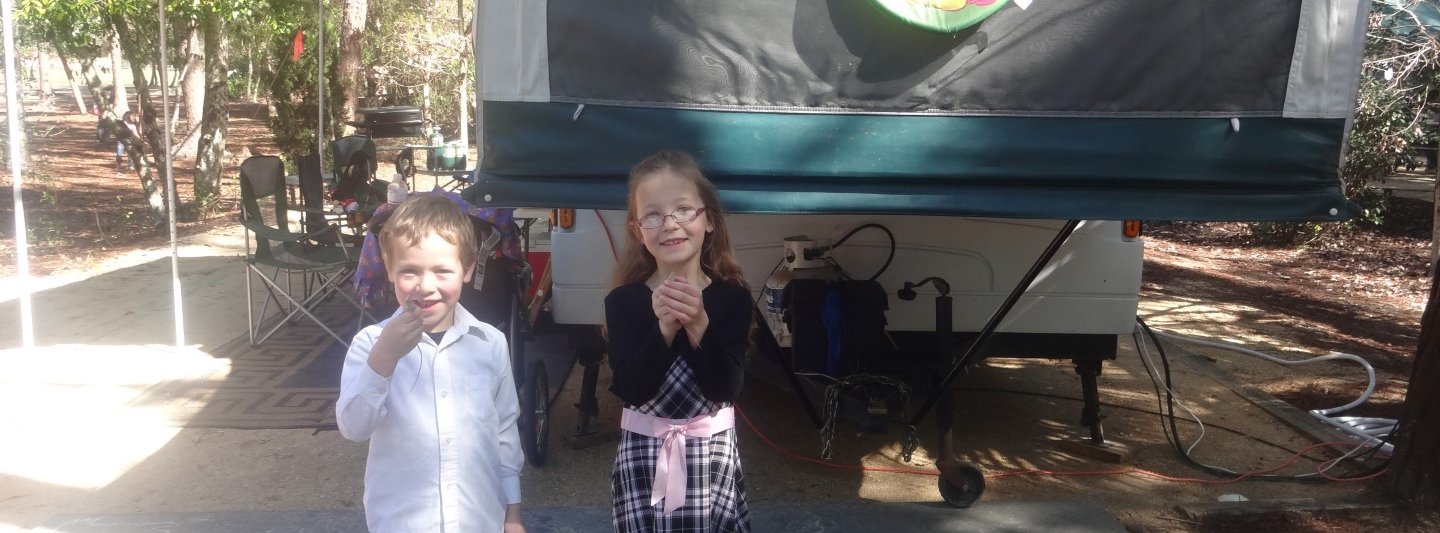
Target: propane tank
(804, 258)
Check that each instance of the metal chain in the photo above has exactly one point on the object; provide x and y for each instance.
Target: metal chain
(832, 408)
(909, 443)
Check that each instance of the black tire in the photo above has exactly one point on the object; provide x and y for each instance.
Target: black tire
(535, 415)
(964, 497)
(405, 163)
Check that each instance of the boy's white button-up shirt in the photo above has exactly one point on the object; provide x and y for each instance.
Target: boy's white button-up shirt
(444, 446)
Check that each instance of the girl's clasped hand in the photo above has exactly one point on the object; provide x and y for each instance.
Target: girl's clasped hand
(678, 301)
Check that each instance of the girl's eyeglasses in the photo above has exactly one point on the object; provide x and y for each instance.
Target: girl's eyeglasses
(682, 216)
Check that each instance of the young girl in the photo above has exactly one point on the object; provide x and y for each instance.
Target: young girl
(679, 322)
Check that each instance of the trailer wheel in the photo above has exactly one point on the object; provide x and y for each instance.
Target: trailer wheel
(535, 415)
(964, 496)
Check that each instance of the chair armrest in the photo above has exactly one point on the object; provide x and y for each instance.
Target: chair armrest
(339, 237)
(274, 234)
(311, 210)
(329, 215)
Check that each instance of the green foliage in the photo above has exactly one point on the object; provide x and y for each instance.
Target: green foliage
(294, 92)
(75, 28)
(1285, 233)
(235, 87)
(1374, 205)
(420, 43)
(1393, 114)
(408, 45)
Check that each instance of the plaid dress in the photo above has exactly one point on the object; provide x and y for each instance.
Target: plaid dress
(714, 488)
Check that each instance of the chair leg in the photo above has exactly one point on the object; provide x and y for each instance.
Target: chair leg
(318, 288)
(364, 317)
(255, 321)
(271, 290)
(299, 307)
(249, 307)
(271, 297)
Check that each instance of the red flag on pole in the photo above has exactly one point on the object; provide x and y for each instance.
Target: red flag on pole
(299, 44)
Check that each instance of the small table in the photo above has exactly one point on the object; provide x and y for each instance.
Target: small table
(293, 180)
(292, 183)
(458, 178)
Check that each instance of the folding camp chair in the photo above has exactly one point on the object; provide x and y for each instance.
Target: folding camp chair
(317, 217)
(277, 250)
(354, 158)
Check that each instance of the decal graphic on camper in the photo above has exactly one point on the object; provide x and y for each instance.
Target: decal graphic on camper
(945, 16)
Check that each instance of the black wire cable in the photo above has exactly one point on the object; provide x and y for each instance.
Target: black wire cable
(1169, 395)
(1272, 444)
(1185, 454)
(857, 229)
(1159, 401)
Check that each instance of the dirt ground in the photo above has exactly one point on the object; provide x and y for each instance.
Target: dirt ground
(1361, 292)
(80, 210)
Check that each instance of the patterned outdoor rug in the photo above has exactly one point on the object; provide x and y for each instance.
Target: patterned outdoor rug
(293, 379)
(290, 381)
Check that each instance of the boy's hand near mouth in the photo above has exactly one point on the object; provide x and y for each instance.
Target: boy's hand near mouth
(396, 339)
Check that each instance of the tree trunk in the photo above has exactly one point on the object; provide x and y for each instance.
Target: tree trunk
(192, 81)
(210, 162)
(249, 74)
(21, 141)
(42, 76)
(74, 87)
(352, 34)
(187, 146)
(92, 83)
(1414, 472)
(464, 106)
(91, 77)
(192, 86)
(1435, 207)
(118, 101)
(150, 130)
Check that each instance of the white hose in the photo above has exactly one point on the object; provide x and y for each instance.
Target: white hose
(1363, 428)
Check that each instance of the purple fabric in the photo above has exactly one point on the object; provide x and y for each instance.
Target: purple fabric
(370, 280)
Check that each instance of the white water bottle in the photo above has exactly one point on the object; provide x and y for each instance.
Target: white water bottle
(396, 191)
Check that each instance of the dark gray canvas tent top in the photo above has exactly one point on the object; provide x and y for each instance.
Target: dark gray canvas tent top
(1102, 109)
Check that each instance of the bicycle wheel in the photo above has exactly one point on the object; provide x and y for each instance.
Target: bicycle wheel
(535, 415)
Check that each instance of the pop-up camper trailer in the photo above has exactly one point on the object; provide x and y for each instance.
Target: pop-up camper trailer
(956, 141)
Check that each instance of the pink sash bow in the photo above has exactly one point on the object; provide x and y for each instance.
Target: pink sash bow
(669, 483)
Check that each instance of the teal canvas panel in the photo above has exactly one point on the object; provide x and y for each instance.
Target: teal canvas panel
(547, 155)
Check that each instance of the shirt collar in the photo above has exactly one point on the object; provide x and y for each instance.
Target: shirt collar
(465, 324)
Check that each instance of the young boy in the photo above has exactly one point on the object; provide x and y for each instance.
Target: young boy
(431, 388)
(131, 122)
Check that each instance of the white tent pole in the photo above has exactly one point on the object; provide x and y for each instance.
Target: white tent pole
(13, 116)
(170, 181)
(320, 83)
(476, 25)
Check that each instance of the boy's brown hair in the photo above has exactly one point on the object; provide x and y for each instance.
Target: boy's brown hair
(421, 216)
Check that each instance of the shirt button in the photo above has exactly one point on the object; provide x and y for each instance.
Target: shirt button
(444, 393)
(447, 440)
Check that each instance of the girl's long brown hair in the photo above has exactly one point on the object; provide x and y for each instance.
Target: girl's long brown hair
(717, 259)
